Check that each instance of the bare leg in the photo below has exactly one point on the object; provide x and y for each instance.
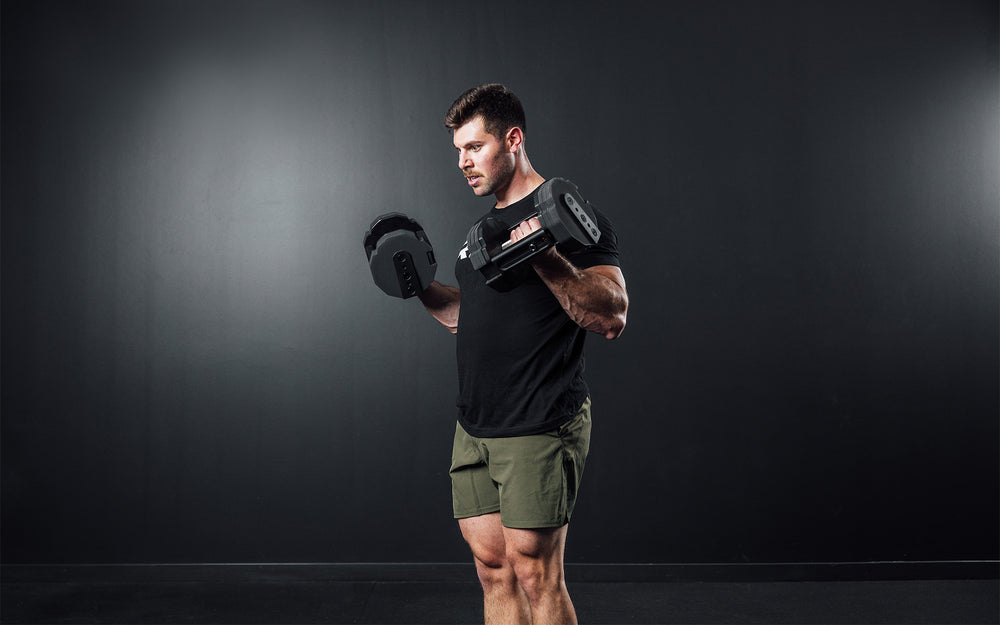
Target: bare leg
(504, 601)
(537, 558)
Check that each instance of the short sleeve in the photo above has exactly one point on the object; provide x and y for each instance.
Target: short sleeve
(604, 252)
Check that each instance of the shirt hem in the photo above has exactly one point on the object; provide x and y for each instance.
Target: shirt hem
(530, 430)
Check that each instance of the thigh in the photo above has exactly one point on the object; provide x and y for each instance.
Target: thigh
(485, 536)
(546, 544)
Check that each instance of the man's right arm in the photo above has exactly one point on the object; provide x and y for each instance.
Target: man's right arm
(442, 303)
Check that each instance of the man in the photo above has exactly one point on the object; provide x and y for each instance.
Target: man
(524, 408)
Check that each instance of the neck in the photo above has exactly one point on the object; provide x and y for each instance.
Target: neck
(522, 183)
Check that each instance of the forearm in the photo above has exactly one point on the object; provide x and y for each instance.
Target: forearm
(442, 302)
(595, 300)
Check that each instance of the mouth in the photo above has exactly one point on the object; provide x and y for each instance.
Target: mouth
(473, 180)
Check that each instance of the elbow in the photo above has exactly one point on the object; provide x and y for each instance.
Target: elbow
(615, 327)
(609, 326)
(616, 322)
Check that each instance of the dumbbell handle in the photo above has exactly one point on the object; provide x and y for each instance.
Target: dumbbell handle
(564, 221)
(514, 253)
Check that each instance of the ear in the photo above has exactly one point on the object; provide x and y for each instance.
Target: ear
(514, 139)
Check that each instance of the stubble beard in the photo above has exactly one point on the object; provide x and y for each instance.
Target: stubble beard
(503, 173)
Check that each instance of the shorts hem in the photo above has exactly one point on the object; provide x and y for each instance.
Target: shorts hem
(533, 525)
(474, 513)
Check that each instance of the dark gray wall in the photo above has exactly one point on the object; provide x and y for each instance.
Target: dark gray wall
(197, 367)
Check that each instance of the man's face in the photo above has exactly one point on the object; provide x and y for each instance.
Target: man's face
(483, 159)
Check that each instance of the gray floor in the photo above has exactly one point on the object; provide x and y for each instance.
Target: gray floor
(233, 596)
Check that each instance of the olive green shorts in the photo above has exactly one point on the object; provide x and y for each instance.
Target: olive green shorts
(531, 480)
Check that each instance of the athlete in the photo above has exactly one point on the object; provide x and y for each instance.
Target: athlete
(524, 422)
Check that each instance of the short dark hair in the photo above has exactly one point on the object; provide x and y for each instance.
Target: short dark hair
(495, 103)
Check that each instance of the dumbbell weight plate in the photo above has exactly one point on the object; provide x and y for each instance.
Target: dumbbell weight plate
(400, 255)
(563, 212)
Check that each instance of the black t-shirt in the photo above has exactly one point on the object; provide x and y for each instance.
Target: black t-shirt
(520, 356)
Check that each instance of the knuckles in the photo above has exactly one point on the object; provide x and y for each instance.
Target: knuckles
(525, 228)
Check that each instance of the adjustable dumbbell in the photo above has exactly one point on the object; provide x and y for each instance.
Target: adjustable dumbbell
(567, 220)
(400, 255)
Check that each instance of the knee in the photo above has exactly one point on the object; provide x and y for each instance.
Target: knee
(495, 572)
(538, 577)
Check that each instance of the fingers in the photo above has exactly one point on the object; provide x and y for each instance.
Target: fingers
(525, 228)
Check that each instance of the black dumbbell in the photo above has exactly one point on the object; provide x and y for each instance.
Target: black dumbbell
(567, 220)
(400, 255)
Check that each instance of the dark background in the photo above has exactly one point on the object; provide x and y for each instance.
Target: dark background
(198, 368)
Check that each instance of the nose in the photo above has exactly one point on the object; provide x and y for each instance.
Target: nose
(464, 162)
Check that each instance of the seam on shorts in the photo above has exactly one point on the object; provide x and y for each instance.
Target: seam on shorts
(565, 462)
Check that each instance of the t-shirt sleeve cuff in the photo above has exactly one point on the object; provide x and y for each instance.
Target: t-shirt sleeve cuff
(593, 260)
